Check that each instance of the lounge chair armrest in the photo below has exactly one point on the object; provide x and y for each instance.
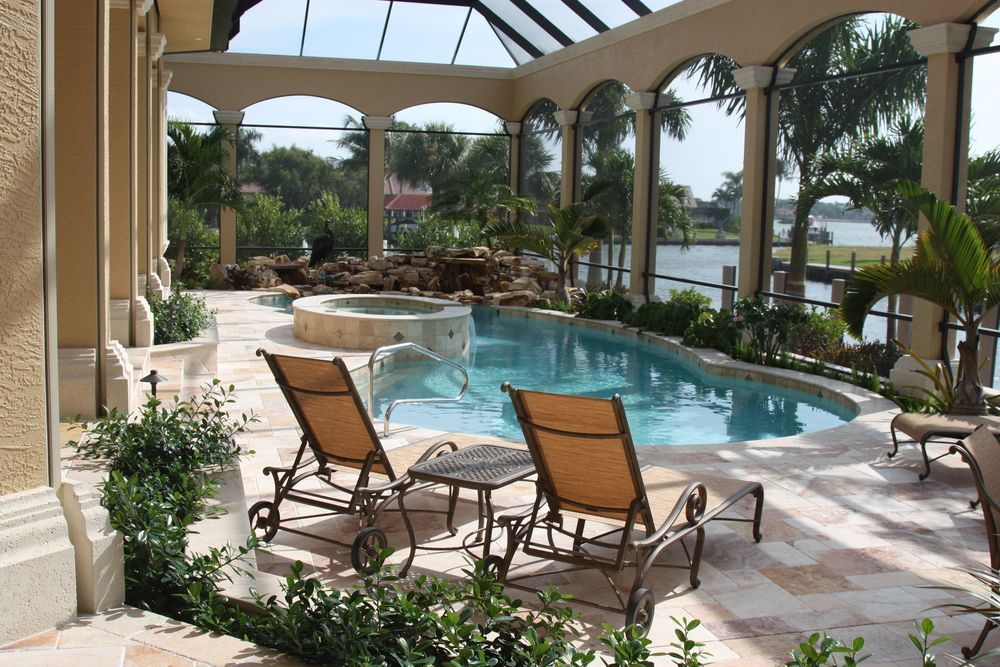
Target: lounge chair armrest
(514, 518)
(437, 447)
(395, 485)
(967, 456)
(691, 503)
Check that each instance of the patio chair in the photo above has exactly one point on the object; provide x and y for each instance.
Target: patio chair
(980, 451)
(338, 436)
(621, 516)
(923, 428)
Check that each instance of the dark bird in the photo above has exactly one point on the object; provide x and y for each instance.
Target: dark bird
(321, 247)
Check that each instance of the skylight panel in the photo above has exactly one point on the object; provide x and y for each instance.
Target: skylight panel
(271, 27)
(519, 55)
(659, 4)
(564, 18)
(481, 46)
(339, 29)
(612, 12)
(522, 24)
(423, 32)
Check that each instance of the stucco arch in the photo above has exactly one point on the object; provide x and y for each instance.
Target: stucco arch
(192, 97)
(337, 108)
(535, 104)
(493, 116)
(782, 59)
(678, 68)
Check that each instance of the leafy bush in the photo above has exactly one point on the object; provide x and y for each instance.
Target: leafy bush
(180, 317)
(604, 305)
(435, 231)
(712, 329)
(674, 316)
(871, 357)
(547, 304)
(161, 465)
(817, 332)
(767, 326)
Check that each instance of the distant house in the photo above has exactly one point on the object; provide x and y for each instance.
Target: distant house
(406, 205)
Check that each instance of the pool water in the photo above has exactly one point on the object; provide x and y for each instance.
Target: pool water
(668, 401)
(379, 310)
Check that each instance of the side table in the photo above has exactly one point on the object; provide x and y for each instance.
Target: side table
(483, 468)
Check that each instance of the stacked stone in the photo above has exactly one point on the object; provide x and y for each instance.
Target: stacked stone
(469, 275)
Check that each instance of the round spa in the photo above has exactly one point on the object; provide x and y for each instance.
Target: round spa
(368, 321)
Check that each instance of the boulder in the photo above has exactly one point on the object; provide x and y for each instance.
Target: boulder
(389, 283)
(219, 276)
(521, 298)
(525, 283)
(377, 264)
(372, 278)
(418, 261)
(363, 289)
(434, 284)
(323, 289)
(288, 290)
(282, 259)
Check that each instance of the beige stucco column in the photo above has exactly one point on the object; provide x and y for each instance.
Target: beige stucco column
(143, 72)
(377, 125)
(122, 278)
(231, 121)
(644, 194)
(759, 156)
(943, 129)
(161, 266)
(567, 184)
(514, 173)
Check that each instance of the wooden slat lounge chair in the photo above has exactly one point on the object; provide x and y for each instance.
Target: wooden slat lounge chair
(981, 452)
(923, 428)
(589, 480)
(339, 436)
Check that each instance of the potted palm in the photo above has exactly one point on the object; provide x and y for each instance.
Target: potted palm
(571, 231)
(951, 267)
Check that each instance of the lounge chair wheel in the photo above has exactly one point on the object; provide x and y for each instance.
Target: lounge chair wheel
(640, 609)
(495, 566)
(365, 549)
(264, 517)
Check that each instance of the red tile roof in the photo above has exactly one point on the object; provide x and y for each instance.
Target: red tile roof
(408, 201)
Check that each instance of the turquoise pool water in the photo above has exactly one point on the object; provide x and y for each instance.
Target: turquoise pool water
(380, 310)
(668, 401)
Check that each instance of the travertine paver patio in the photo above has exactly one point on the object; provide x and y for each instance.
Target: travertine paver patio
(853, 542)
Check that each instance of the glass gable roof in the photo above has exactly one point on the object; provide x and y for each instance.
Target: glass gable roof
(498, 33)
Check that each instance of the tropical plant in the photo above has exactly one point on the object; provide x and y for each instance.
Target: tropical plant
(815, 119)
(604, 305)
(178, 318)
(571, 232)
(951, 267)
(196, 178)
(475, 198)
(767, 326)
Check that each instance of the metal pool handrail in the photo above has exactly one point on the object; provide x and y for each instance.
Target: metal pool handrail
(388, 350)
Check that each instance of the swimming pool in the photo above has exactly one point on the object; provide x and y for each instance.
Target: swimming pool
(668, 400)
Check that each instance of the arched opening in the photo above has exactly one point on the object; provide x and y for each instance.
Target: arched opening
(700, 181)
(605, 177)
(447, 173)
(540, 160)
(302, 165)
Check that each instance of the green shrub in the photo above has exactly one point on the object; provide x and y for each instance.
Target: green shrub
(768, 327)
(548, 304)
(818, 331)
(712, 329)
(180, 317)
(674, 316)
(604, 305)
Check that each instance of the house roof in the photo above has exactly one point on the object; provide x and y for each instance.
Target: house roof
(408, 201)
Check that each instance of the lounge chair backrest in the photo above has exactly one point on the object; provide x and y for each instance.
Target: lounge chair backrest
(583, 451)
(329, 410)
(983, 455)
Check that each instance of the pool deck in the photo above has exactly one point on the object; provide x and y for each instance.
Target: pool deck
(853, 542)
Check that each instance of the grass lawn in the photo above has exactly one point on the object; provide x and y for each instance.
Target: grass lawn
(842, 254)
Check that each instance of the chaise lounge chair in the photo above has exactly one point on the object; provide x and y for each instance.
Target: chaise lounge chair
(923, 428)
(589, 477)
(339, 437)
(980, 451)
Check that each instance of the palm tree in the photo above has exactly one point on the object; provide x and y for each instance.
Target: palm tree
(428, 156)
(815, 119)
(730, 192)
(196, 178)
(951, 267)
(475, 197)
(570, 232)
(867, 173)
(672, 215)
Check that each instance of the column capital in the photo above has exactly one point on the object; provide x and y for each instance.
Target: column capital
(120, 4)
(566, 116)
(513, 129)
(166, 74)
(157, 44)
(141, 6)
(759, 76)
(941, 38)
(640, 101)
(228, 117)
(376, 122)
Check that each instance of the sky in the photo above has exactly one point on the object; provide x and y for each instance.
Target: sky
(429, 33)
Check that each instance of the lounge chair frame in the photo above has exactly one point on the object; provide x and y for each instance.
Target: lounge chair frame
(318, 457)
(980, 450)
(633, 540)
(922, 435)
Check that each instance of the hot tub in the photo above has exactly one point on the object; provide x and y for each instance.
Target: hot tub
(368, 321)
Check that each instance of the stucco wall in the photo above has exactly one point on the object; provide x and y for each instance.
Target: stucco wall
(23, 448)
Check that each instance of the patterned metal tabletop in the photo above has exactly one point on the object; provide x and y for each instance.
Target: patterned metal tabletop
(477, 467)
